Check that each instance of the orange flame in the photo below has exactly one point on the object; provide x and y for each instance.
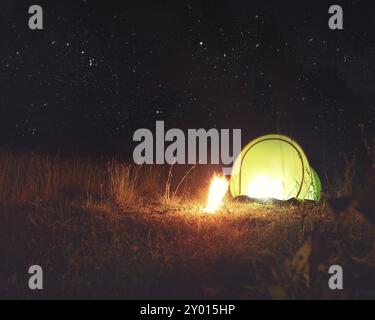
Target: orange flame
(218, 189)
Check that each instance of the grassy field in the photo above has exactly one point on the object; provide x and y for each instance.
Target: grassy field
(104, 229)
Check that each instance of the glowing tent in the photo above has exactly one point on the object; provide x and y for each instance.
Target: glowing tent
(274, 166)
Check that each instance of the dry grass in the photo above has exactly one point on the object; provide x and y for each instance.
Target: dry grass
(342, 183)
(28, 178)
(104, 229)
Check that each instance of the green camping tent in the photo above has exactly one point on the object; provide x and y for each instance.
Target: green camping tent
(274, 166)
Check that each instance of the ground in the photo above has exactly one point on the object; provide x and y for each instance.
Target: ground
(160, 250)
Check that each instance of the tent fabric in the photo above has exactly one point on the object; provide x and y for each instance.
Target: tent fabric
(317, 186)
(274, 166)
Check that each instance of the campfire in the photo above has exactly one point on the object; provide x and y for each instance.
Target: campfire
(217, 191)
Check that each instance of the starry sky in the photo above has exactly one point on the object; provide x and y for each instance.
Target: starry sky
(102, 69)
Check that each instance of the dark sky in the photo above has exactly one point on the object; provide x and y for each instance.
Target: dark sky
(102, 69)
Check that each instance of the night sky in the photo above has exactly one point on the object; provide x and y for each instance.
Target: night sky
(101, 69)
